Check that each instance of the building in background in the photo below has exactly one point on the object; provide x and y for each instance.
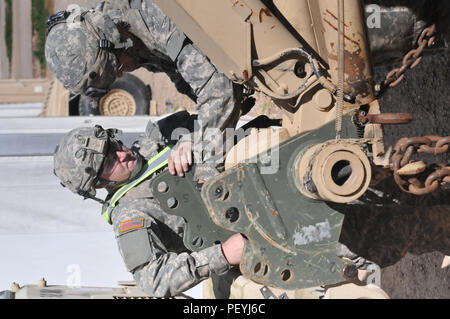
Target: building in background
(22, 59)
(4, 61)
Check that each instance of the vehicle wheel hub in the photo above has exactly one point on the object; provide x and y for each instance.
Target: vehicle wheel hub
(117, 103)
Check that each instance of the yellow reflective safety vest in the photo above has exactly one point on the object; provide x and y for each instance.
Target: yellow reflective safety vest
(154, 164)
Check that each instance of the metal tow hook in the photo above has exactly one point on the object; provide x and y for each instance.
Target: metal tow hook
(384, 118)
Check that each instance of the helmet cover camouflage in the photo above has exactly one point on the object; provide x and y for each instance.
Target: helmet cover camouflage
(79, 157)
(73, 52)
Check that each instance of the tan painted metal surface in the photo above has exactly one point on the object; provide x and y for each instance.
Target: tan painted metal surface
(244, 288)
(318, 165)
(23, 90)
(56, 102)
(248, 43)
(358, 69)
(237, 34)
(256, 143)
(292, 10)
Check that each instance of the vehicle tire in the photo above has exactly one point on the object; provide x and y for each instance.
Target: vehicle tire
(88, 106)
(127, 96)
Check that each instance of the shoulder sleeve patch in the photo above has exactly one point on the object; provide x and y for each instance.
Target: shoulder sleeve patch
(131, 224)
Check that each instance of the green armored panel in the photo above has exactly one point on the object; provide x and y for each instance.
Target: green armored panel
(180, 196)
(292, 238)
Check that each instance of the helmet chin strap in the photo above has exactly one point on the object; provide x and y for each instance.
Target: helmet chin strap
(87, 195)
(137, 168)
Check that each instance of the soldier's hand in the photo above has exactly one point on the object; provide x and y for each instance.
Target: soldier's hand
(233, 248)
(180, 158)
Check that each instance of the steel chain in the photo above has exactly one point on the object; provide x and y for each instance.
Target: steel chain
(410, 60)
(403, 152)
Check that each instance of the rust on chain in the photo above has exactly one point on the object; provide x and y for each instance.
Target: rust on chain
(403, 152)
(440, 148)
(411, 59)
(409, 152)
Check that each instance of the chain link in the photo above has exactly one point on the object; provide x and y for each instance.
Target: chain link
(410, 60)
(403, 152)
(407, 147)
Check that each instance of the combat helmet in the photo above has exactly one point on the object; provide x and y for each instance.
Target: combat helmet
(80, 49)
(79, 157)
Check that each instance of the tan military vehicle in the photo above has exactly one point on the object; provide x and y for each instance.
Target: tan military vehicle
(313, 59)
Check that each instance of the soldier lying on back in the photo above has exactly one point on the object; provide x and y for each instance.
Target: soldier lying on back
(150, 240)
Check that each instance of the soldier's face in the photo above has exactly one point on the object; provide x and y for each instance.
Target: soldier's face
(118, 165)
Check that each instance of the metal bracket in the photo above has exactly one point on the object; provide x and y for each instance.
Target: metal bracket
(292, 239)
(374, 276)
(180, 196)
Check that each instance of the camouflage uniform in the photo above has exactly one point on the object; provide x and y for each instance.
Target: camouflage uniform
(151, 241)
(161, 47)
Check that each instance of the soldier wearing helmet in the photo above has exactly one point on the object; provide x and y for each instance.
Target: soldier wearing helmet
(150, 240)
(88, 49)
